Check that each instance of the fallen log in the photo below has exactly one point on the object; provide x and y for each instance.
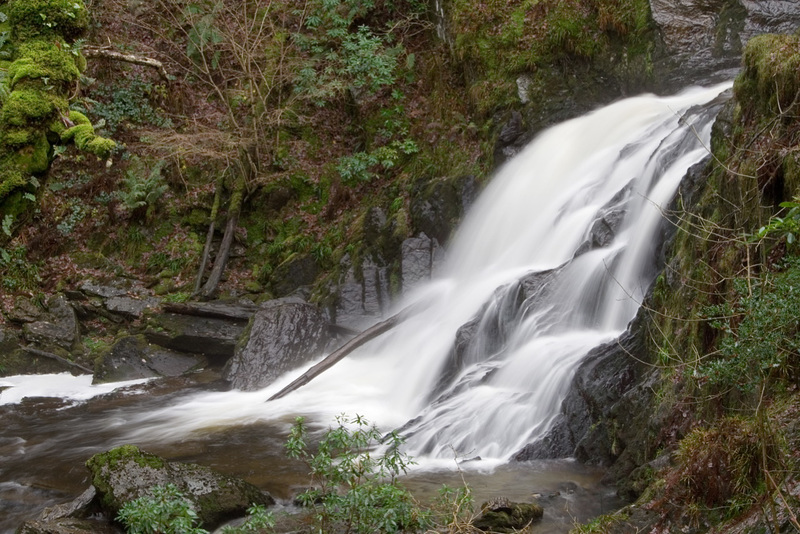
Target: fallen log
(361, 339)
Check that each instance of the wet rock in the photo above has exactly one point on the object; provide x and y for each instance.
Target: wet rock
(82, 506)
(594, 425)
(362, 296)
(703, 39)
(294, 273)
(420, 257)
(69, 525)
(132, 357)
(512, 137)
(502, 515)
(57, 328)
(438, 206)
(210, 336)
(126, 473)
(283, 335)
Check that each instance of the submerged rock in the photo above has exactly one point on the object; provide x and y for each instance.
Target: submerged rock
(502, 515)
(126, 473)
(283, 335)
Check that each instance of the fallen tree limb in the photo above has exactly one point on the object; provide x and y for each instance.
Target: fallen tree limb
(107, 53)
(58, 358)
(367, 335)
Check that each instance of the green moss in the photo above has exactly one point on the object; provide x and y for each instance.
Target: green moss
(27, 107)
(11, 178)
(49, 61)
(45, 18)
(34, 158)
(769, 80)
(83, 135)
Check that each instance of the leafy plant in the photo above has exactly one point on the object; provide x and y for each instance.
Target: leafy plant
(258, 519)
(165, 510)
(787, 226)
(340, 58)
(760, 332)
(355, 489)
(143, 191)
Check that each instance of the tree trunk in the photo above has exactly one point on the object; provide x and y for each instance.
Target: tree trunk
(210, 235)
(246, 170)
(209, 290)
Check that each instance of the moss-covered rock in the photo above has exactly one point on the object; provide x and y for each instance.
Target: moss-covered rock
(35, 19)
(769, 82)
(126, 473)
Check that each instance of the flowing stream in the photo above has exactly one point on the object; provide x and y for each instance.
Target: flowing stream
(553, 260)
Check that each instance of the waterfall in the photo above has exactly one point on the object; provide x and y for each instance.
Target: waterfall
(553, 260)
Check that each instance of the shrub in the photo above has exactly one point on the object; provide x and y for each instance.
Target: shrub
(353, 488)
(164, 510)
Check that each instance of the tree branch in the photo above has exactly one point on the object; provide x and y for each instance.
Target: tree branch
(107, 53)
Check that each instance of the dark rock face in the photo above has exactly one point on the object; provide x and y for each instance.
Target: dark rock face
(437, 206)
(596, 423)
(361, 297)
(133, 357)
(703, 39)
(211, 336)
(126, 473)
(421, 256)
(284, 334)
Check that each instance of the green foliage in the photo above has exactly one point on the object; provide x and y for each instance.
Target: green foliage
(143, 186)
(258, 520)
(787, 226)
(339, 58)
(355, 489)
(131, 101)
(760, 331)
(722, 464)
(164, 510)
(769, 78)
(51, 62)
(17, 273)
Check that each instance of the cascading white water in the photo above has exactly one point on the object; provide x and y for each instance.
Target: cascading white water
(519, 273)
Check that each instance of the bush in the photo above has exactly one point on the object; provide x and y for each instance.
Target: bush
(354, 489)
(761, 335)
(164, 510)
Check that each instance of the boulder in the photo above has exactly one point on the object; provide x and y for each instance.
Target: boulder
(213, 337)
(69, 525)
(283, 335)
(57, 328)
(502, 515)
(132, 357)
(126, 473)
